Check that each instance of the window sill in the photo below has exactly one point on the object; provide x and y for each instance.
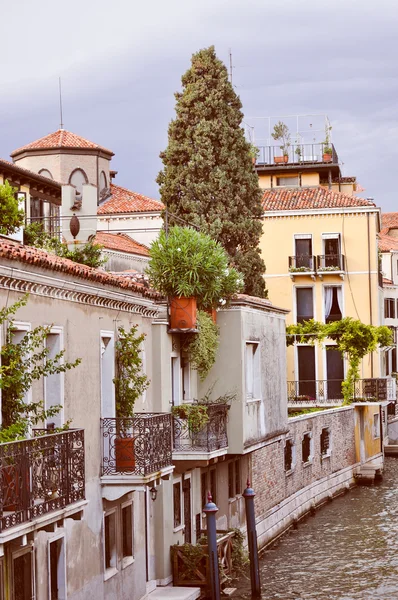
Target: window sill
(179, 528)
(308, 463)
(324, 456)
(290, 472)
(127, 561)
(253, 400)
(109, 573)
(234, 498)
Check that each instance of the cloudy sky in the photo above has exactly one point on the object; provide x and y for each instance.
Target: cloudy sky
(121, 62)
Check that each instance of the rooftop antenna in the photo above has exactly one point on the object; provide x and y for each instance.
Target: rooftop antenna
(230, 65)
(60, 102)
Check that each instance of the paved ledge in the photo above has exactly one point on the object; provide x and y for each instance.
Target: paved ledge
(174, 593)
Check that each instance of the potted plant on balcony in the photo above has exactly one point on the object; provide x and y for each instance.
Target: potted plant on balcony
(254, 151)
(193, 270)
(281, 133)
(130, 383)
(327, 148)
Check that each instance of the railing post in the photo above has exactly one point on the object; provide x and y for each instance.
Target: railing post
(211, 509)
(67, 469)
(248, 495)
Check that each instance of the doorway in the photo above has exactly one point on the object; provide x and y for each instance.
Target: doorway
(334, 374)
(306, 371)
(186, 488)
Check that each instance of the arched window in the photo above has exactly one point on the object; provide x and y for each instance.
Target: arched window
(78, 178)
(46, 173)
(103, 181)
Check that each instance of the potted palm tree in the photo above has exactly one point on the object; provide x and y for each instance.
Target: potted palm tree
(130, 383)
(193, 270)
(281, 133)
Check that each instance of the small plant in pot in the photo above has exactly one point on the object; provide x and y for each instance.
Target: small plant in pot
(327, 147)
(254, 151)
(130, 383)
(190, 267)
(281, 133)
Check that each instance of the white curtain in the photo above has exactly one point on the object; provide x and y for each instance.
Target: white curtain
(340, 299)
(328, 300)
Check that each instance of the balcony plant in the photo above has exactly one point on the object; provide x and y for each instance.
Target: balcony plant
(254, 151)
(281, 133)
(130, 383)
(327, 148)
(192, 270)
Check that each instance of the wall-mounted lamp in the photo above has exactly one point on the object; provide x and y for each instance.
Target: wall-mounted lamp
(153, 492)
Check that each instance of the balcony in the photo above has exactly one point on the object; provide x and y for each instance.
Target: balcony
(207, 443)
(298, 156)
(302, 264)
(312, 393)
(330, 264)
(136, 451)
(40, 476)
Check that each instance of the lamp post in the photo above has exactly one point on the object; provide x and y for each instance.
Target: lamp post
(211, 509)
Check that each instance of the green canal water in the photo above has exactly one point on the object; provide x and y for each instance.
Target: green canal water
(348, 550)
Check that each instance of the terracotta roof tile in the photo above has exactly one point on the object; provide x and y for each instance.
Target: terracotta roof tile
(9, 165)
(40, 258)
(309, 198)
(125, 201)
(387, 242)
(387, 281)
(389, 220)
(120, 242)
(60, 139)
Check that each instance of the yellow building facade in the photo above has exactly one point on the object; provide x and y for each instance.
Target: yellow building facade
(320, 248)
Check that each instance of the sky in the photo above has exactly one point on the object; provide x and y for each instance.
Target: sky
(121, 62)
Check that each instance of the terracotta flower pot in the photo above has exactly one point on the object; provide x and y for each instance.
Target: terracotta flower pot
(281, 159)
(125, 454)
(182, 313)
(213, 313)
(327, 158)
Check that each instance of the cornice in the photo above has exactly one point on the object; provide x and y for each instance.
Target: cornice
(38, 284)
(322, 212)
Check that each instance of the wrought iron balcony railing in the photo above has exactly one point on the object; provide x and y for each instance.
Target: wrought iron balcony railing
(329, 391)
(302, 263)
(40, 475)
(138, 445)
(330, 262)
(213, 436)
(297, 154)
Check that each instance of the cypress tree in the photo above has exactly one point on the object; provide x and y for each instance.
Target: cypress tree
(208, 177)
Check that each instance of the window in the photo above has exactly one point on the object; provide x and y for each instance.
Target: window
(46, 173)
(231, 487)
(306, 448)
(304, 304)
(186, 377)
(234, 483)
(287, 181)
(23, 575)
(389, 308)
(103, 182)
(177, 504)
(57, 572)
(332, 252)
(78, 178)
(54, 384)
(213, 485)
(238, 490)
(107, 370)
(175, 381)
(127, 530)
(376, 425)
(303, 251)
(110, 540)
(325, 442)
(333, 303)
(203, 488)
(253, 379)
(289, 455)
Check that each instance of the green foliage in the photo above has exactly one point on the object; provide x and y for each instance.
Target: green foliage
(196, 415)
(353, 339)
(253, 151)
(203, 346)
(239, 556)
(208, 178)
(130, 382)
(188, 263)
(21, 364)
(89, 254)
(11, 216)
(281, 133)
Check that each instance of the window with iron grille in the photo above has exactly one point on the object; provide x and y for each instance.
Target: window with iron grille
(177, 503)
(325, 441)
(289, 455)
(306, 448)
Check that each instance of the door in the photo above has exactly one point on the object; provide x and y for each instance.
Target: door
(23, 587)
(334, 373)
(304, 253)
(332, 253)
(186, 488)
(306, 371)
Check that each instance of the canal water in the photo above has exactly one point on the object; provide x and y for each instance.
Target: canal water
(348, 550)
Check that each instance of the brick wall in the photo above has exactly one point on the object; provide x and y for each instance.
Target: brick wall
(284, 496)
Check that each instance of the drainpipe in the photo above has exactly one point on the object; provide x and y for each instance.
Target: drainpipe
(370, 290)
